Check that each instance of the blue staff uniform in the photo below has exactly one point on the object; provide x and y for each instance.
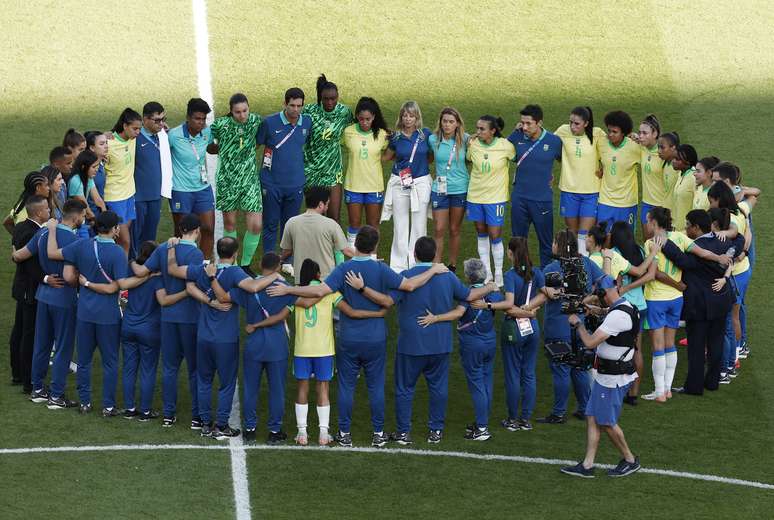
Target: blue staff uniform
(191, 192)
(217, 343)
(266, 349)
(478, 347)
(520, 352)
(282, 172)
(402, 146)
(424, 350)
(557, 328)
(362, 342)
(98, 321)
(178, 327)
(532, 197)
(147, 182)
(55, 317)
(140, 340)
(99, 183)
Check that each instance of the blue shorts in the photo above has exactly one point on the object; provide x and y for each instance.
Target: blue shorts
(664, 313)
(611, 214)
(644, 210)
(447, 201)
(490, 214)
(605, 403)
(197, 202)
(123, 208)
(578, 205)
(321, 368)
(354, 197)
(742, 280)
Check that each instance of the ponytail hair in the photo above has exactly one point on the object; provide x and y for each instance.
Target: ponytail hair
(31, 182)
(662, 216)
(310, 271)
(652, 121)
(72, 139)
(495, 122)
(368, 104)
(587, 115)
(519, 248)
(721, 217)
(127, 117)
(324, 84)
(687, 153)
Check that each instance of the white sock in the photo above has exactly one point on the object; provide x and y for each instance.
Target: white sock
(659, 368)
(324, 415)
(351, 234)
(301, 412)
(498, 253)
(483, 253)
(670, 355)
(582, 243)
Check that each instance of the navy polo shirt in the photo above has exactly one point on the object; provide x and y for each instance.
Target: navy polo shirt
(379, 277)
(555, 324)
(186, 253)
(99, 183)
(143, 312)
(94, 307)
(66, 296)
(287, 162)
(533, 176)
(402, 146)
(268, 343)
(515, 283)
(147, 167)
(476, 326)
(438, 296)
(214, 325)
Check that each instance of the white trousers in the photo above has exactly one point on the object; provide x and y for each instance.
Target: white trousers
(410, 223)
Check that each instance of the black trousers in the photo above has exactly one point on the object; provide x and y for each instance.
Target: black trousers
(705, 344)
(22, 343)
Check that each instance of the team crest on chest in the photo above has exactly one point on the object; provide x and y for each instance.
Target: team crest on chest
(545, 147)
(486, 156)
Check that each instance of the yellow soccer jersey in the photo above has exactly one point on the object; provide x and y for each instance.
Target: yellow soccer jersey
(489, 177)
(619, 265)
(619, 166)
(740, 221)
(364, 159)
(658, 291)
(119, 169)
(682, 198)
(700, 200)
(314, 328)
(670, 180)
(580, 161)
(654, 183)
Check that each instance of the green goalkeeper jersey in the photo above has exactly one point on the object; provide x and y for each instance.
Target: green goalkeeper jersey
(322, 155)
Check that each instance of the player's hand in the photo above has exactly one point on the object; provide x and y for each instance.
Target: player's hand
(719, 284)
(658, 243)
(51, 224)
(599, 173)
(278, 290)
(725, 259)
(55, 281)
(210, 269)
(354, 280)
(478, 304)
(439, 268)
(250, 328)
(223, 307)
(427, 319)
(573, 319)
(722, 236)
(172, 241)
(81, 280)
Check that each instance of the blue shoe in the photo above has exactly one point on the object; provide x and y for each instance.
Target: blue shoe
(578, 471)
(624, 468)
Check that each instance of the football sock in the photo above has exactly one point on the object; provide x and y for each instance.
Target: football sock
(670, 362)
(249, 245)
(301, 412)
(483, 252)
(659, 368)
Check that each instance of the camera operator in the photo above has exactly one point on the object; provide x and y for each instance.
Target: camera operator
(615, 341)
(556, 329)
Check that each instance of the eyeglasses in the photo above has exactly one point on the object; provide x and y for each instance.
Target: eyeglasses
(158, 120)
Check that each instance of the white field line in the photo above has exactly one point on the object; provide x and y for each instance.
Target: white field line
(389, 451)
(239, 464)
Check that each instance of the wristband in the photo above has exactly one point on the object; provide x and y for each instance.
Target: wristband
(212, 278)
(489, 305)
(87, 283)
(361, 290)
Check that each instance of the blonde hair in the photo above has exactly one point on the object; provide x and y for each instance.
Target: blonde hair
(459, 133)
(411, 107)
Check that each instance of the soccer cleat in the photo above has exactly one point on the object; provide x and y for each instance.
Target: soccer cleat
(380, 440)
(301, 439)
(344, 439)
(479, 434)
(512, 425)
(196, 423)
(249, 436)
(168, 422)
(579, 415)
(224, 432)
(624, 468)
(553, 419)
(525, 425)
(434, 436)
(58, 403)
(39, 396)
(83, 409)
(325, 438)
(276, 437)
(147, 416)
(110, 412)
(653, 396)
(131, 414)
(206, 430)
(578, 471)
(402, 438)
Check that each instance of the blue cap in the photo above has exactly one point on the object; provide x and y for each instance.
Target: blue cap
(605, 282)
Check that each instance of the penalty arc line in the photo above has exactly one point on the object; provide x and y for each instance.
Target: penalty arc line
(390, 451)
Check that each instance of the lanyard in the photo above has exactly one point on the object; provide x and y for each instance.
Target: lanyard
(210, 291)
(266, 314)
(414, 150)
(451, 156)
(530, 149)
(151, 141)
(193, 147)
(463, 326)
(99, 264)
(287, 136)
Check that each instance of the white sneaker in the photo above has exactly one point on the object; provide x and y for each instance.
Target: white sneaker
(653, 396)
(301, 439)
(287, 269)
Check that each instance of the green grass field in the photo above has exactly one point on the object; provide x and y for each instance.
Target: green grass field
(707, 71)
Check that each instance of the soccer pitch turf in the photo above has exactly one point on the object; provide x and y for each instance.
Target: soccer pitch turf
(706, 70)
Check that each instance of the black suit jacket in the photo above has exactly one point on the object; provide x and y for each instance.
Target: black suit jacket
(28, 273)
(700, 302)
